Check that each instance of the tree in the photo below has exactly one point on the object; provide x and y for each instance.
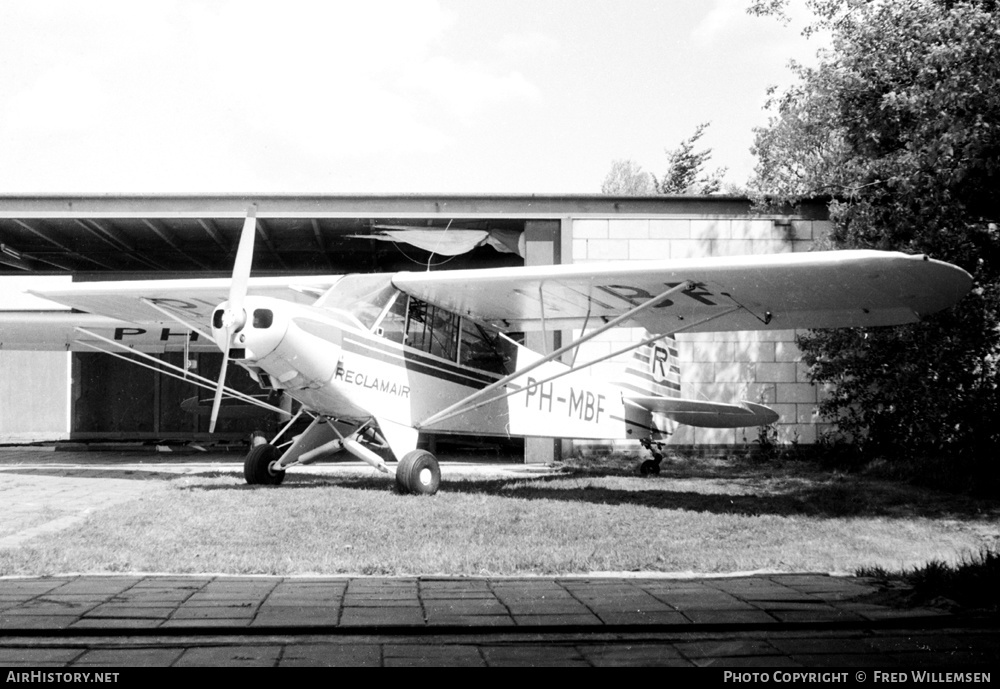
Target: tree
(627, 178)
(684, 170)
(683, 176)
(899, 125)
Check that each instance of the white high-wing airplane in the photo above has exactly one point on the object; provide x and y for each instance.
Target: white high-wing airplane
(374, 359)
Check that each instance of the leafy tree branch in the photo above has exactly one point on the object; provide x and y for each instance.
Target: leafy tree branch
(900, 124)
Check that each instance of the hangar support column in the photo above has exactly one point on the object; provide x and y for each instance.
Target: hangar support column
(543, 247)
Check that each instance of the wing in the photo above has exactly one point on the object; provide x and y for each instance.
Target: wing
(771, 292)
(193, 299)
(124, 312)
(57, 331)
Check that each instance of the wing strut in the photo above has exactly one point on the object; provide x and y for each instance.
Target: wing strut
(189, 377)
(461, 404)
(541, 305)
(438, 418)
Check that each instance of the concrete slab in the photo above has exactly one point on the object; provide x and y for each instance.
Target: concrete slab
(535, 656)
(382, 617)
(428, 655)
(244, 656)
(296, 616)
(14, 657)
(332, 654)
(245, 611)
(470, 621)
(724, 616)
(122, 611)
(129, 657)
(637, 655)
(630, 618)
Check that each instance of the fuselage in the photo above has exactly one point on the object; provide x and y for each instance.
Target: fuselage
(330, 362)
(336, 365)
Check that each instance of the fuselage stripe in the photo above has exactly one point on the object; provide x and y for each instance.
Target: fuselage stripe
(410, 360)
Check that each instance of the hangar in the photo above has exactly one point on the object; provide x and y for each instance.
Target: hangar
(86, 395)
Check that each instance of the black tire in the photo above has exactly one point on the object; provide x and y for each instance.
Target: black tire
(418, 473)
(257, 466)
(649, 467)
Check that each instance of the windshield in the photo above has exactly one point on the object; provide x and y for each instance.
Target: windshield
(363, 296)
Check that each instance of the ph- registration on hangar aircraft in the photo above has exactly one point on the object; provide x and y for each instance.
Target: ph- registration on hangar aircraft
(374, 359)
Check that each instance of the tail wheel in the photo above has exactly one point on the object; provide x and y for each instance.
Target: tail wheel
(418, 473)
(257, 466)
(650, 466)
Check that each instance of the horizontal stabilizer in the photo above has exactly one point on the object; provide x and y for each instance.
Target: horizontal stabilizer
(707, 414)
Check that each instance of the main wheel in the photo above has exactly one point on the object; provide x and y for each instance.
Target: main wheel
(418, 472)
(257, 466)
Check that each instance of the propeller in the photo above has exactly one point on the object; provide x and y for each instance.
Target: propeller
(234, 317)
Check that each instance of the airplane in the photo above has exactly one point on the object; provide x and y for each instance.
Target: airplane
(373, 360)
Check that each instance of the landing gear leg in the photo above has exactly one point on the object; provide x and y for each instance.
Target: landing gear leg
(651, 466)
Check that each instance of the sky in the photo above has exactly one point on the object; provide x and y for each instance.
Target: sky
(391, 96)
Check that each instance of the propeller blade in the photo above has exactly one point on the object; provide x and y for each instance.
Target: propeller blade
(244, 258)
(217, 402)
(234, 317)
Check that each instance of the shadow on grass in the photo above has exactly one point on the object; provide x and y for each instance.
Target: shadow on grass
(780, 490)
(817, 500)
(830, 498)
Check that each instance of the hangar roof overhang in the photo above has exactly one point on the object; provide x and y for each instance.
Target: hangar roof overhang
(124, 235)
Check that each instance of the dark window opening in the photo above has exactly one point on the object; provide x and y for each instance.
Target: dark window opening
(263, 379)
(480, 349)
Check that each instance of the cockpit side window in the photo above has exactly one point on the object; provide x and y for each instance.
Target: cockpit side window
(479, 348)
(392, 326)
(432, 330)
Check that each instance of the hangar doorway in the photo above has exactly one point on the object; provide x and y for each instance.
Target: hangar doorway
(115, 400)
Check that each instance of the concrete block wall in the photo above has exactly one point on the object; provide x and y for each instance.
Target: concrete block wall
(760, 367)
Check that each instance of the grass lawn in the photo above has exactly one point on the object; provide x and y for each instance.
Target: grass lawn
(698, 516)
